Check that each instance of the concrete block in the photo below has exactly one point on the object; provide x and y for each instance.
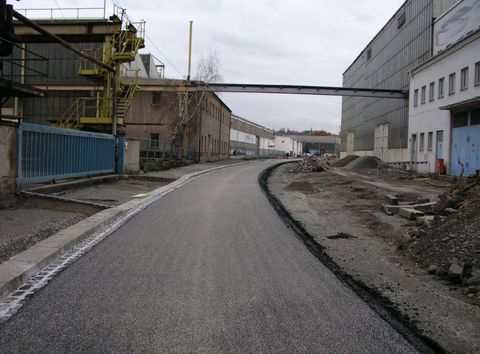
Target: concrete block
(409, 213)
(14, 273)
(426, 208)
(391, 209)
(39, 255)
(390, 199)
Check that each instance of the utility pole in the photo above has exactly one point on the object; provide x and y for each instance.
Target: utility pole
(185, 110)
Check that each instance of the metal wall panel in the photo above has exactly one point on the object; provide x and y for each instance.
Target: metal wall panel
(47, 153)
(394, 52)
(63, 64)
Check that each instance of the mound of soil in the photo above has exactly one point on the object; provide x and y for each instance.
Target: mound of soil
(458, 235)
(345, 161)
(363, 163)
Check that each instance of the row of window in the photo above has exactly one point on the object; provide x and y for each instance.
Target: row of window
(464, 76)
(207, 106)
(421, 143)
(218, 147)
(216, 112)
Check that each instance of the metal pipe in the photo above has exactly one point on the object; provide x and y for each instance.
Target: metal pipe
(60, 41)
(190, 52)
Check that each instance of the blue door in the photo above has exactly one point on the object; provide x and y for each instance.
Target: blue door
(465, 143)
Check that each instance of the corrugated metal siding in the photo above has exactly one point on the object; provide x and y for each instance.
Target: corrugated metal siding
(40, 110)
(63, 64)
(394, 52)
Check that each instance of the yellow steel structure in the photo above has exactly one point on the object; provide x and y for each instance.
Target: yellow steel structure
(110, 105)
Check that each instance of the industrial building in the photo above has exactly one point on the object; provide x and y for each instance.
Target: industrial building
(444, 114)
(319, 145)
(379, 126)
(166, 128)
(289, 145)
(250, 139)
(81, 94)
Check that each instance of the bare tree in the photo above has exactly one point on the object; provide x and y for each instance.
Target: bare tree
(189, 103)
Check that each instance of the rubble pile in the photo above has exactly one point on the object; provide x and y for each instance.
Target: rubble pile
(310, 164)
(449, 245)
(363, 163)
(345, 161)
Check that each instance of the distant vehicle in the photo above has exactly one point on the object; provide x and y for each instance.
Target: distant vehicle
(329, 155)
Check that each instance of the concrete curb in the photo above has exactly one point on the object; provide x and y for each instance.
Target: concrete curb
(18, 269)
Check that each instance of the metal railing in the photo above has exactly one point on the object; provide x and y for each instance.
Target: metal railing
(67, 13)
(409, 168)
(156, 150)
(46, 153)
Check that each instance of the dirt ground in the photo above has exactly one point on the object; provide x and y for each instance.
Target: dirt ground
(342, 210)
(32, 220)
(113, 193)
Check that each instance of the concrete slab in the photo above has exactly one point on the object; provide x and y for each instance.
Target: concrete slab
(37, 254)
(390, 199)
(14, 273)
(409, 213)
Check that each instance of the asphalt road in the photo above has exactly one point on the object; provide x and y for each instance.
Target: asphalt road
(209, 268)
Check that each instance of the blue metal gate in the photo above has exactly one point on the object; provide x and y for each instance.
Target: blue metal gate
(47, 153)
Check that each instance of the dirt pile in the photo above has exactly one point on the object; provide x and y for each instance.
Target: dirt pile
(346, 160)
(450, 245)
(363, 163)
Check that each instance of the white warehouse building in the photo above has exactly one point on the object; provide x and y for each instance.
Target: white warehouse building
(288, 145)
(444, 109)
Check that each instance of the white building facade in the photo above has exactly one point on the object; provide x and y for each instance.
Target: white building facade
(444, 107)
(288, 145)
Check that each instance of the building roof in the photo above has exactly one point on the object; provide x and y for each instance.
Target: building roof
(326, 139)
(234, 116)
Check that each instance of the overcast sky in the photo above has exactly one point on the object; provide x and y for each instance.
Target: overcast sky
(305, 42)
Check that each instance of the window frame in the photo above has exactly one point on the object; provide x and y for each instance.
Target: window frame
(423, 95)
(464, 79)
(451, 83)
(430, 141)
(415, 98)
(156, 101)
(421, 142)
(154, 143)
(476, 79)
(431, 92)
(441, 87)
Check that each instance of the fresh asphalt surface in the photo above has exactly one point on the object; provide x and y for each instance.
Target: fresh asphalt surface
(209, 268)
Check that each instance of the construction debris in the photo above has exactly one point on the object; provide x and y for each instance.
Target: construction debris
(311, 164)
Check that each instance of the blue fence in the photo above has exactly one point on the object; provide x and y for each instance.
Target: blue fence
(46, 153)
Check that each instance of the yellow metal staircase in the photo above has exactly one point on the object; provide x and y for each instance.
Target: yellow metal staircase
(118, 88)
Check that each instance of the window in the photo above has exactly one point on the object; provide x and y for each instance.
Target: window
(415, 98)
(422, 141)
(464, 79)
(441, 84)
(154, 140)
(430, 141)
(451, 84)
(431, 93)
(423, 94)
(475, 117)
(460, 119)
(156, 97)
(477, 73)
